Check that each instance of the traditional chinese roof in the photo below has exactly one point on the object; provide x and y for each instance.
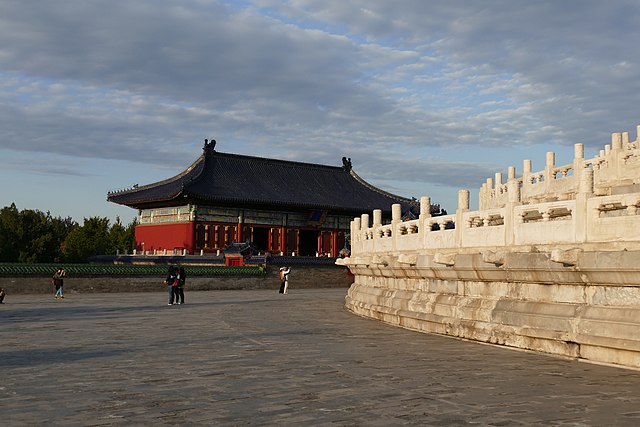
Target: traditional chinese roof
(225, 179)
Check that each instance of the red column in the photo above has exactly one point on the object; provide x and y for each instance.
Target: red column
(190, 246)
(283, 240)
(334, 243)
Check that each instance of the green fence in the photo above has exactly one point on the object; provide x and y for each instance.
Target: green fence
(127, 270)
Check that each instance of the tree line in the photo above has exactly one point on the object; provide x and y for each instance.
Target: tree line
(32, 236)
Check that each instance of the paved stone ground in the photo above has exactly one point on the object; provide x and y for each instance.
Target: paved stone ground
(238, 358)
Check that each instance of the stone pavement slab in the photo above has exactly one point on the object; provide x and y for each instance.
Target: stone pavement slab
(258, 358)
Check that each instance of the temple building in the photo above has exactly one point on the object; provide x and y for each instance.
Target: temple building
(279, 206)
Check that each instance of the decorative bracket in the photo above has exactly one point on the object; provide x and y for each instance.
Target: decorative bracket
(445, 259)
(408, 259)
(496, 258)
(380, 261)
(568, 258)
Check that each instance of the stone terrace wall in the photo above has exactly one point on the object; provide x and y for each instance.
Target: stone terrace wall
(528, 301)
(555, 268)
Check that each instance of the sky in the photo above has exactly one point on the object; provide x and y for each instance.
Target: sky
(426, 97)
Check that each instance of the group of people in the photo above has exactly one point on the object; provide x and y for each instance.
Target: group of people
(176, 278)
(58, 283)
(175, 281)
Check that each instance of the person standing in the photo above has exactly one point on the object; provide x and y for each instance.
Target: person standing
(2, 294)
(182, 279)
(55, 283)
(58, 282)
(281, 291)
(63, 274)
(172, 283)
(286, 272)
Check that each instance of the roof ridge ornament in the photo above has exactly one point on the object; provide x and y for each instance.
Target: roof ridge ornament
(346, 164)
(209, 146)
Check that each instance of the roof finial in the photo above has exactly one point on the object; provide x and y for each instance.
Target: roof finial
(346, 163)
(209, 145)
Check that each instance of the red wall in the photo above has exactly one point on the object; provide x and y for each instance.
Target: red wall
(165, 236)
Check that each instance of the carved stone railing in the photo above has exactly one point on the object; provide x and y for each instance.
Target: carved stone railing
(616, 168)
(550, 261)
(594, 221)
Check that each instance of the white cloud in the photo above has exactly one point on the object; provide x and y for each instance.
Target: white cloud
(425, 88)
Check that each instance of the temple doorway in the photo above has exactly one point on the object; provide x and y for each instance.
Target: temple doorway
(308, 243)
(260, 239)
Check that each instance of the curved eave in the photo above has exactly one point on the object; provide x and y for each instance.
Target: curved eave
(141, 203)
(116, 197)
(392, 196)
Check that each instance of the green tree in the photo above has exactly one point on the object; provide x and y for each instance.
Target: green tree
(92, 238)
(131, 235)
(34, 236)
(9, 224)
(121, 238)
(61, 229)
(31, 235)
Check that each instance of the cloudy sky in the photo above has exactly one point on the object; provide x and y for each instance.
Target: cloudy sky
(426, 97)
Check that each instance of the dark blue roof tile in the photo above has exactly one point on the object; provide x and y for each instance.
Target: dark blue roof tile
(232, 179)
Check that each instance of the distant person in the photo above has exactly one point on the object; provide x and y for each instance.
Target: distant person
(55, 282)
(182, 279)
(281, 291)
(2, 294)
(284, 279)
(58, 283)
(172, 283)
(63, 274)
